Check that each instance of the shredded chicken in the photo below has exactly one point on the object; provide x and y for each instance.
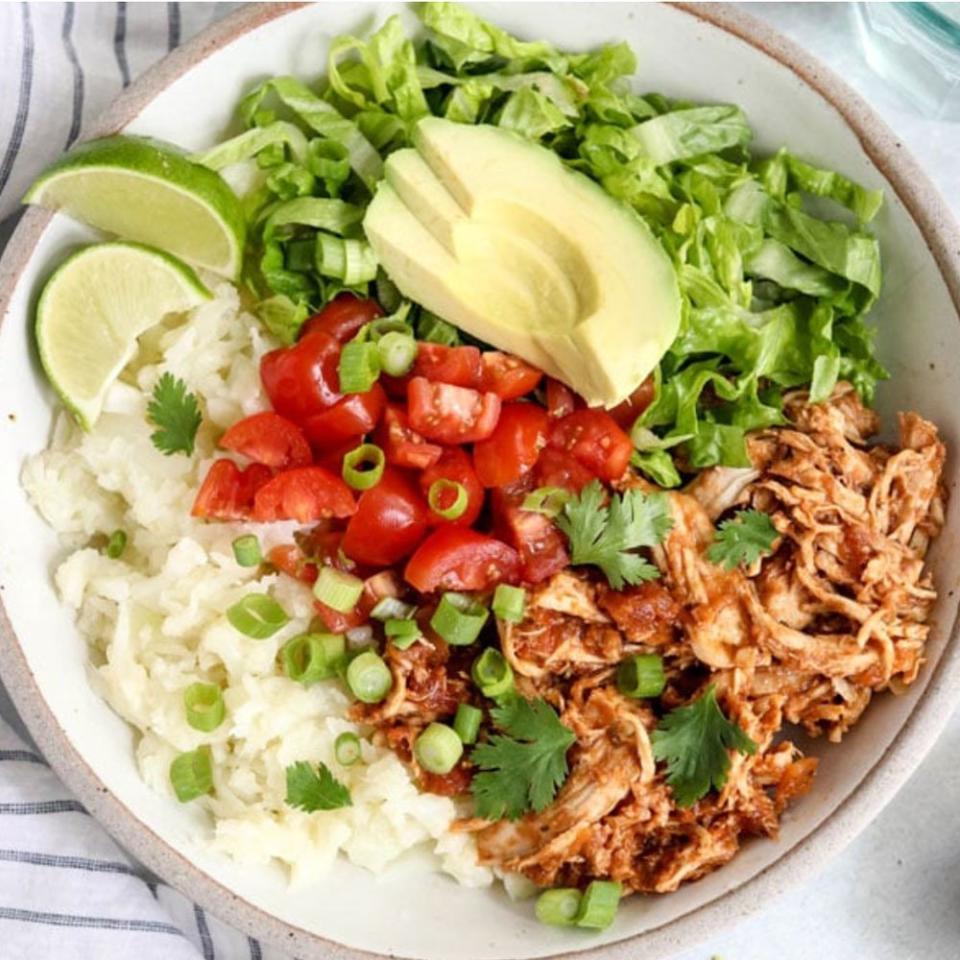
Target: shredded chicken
(806, 636)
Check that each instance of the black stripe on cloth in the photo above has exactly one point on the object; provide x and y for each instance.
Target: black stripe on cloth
(78, 79)
(70, 863)
(26, 756)
(23, 98)
(255, 952)
(120, 43)
(206, 941)
(43, 806)
(173, 25)
(76, 920)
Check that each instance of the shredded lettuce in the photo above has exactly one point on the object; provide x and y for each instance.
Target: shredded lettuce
(775, 294)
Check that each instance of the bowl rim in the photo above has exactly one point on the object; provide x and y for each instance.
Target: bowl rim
(864, 801)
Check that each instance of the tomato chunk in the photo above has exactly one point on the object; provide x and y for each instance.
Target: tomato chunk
(351, 417)
(508, 376)
(457, 365)
(513, 447)
(390, 521)
(449, 414)
(289, 559)
(594, 440)
(302, 380)
(456, 558)
(343, 317)
(627, 412)
(454, 465)
(561, 400)
(270, 439)
(542, 548)
(227, 492)
(305, 494)
(558, 469)
(404, 447)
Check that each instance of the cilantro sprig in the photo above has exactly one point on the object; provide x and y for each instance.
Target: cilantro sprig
(605, 535)
(694, 741)
(742, 539)
(522, 768)
(177, 415)
(315, 789)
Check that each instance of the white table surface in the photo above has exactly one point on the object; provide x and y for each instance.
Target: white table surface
(894, 893)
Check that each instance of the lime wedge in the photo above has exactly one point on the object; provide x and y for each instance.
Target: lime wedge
(147, 191)
(95, 306)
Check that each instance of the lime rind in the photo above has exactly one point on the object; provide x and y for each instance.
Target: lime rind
(148, 191)
(93, 309)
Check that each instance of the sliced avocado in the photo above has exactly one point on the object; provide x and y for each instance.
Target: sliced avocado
(496, 235)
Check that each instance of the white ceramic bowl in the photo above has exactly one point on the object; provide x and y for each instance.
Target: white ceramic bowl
(705, 53)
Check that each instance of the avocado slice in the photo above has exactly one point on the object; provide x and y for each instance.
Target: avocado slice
(496, 235)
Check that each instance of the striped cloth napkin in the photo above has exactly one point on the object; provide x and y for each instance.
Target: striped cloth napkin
(60, 65)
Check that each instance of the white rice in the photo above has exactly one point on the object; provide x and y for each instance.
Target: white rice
(155, 620)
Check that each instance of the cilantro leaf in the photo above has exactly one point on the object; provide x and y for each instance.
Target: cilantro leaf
(177, 415)
(310, 790)
(523, 768)
(694, 741)
(604, 535)
(742, 539)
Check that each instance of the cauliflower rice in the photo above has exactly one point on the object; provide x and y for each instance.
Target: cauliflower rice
(155, 619)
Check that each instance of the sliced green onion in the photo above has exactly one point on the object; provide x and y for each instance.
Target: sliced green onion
(509, 602)
(246, 550)
(549, 501)
(466, 723)
(492, 674)
(438, 749)
(310, 657)
(363, 466)
(402, 633)
(257, 616)
(338, 590)
(352, 261)
(346, 748)
(559, 907)
(359, 366)
(641, 676)
(458, 619)
(437, 494)
(116, 544)
(397, 353)
(368, 677)
(204, 705)
(392, 608)
(598, 905)
(191, 774)
(434, 330)
(379, 328)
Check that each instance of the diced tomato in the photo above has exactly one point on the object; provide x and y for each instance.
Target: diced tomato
(513, 447)
(289, 559)
(449, 414)
(227, 492)
(594, 440)
(454, 465)
(337, 622)
(404, 447)
(351, 417)
(306, 494)
(342, 317)
(457, 365)
(627, 412)
(558, 469)
(390, 521)
(322, 545)
(302, 380)
(332, 459)
(270, 439)
(456, 558)
(508, 376)
(561, 400)
(395, 387)
(542, 548)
